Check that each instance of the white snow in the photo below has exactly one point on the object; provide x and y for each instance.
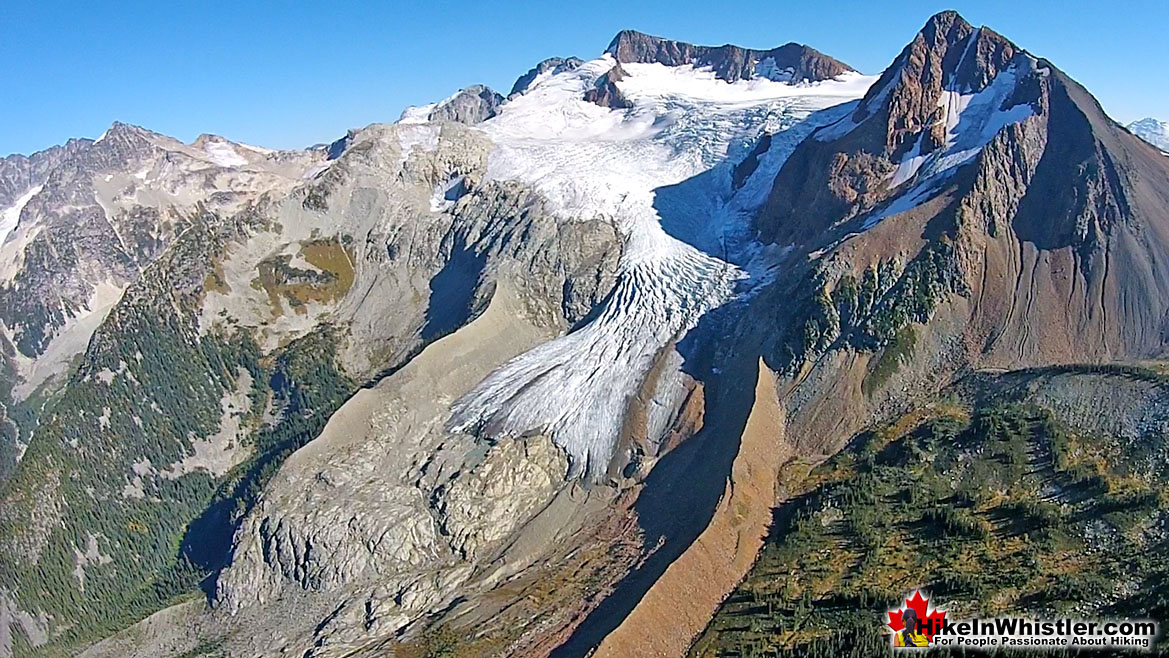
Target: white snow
(315, 170)
(1153, 131)
(10, 216)
(420, 136)
(262, 150)
(541, 78)
(767, 68)
(223, 153)
(446, 194)
(417, 113)
(661, 173)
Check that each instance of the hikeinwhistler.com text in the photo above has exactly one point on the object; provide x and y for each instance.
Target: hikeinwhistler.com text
(1018, 632)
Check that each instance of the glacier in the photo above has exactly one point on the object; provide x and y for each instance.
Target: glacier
(661, 172)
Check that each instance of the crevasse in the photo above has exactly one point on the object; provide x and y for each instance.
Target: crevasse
(661, 172)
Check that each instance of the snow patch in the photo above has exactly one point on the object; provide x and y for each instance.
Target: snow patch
(767, 68)
(1153, 131)
(10, 217)
(970, 121)
(410, 137)
(417, 113)
(224, 154)
(446, 194)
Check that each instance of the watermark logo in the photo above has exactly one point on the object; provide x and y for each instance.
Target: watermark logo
(915, 623)
(918, 624)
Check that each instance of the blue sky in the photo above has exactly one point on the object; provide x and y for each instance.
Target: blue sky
(289, 74)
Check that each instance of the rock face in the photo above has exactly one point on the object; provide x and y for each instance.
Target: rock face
(790, 62)
(85, 220)
(1153, 131)
(605, 91)
(470, 106)
(385, 513)
(911, 113)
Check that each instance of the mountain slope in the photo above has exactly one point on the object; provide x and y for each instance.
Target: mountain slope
(86, 220)
(271, 316)
(431, 220)
(1030, 491)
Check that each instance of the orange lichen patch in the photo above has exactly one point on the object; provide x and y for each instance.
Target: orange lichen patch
(330, 256)
(216, 281)
(914, 419)
(328, 282)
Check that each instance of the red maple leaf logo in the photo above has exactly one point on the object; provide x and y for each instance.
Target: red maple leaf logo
(920, 605)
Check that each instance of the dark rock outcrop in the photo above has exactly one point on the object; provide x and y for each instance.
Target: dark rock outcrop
(605, 92)
(472, 105)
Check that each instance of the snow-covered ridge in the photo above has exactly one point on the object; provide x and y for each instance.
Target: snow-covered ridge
(661, 172)
(1153, 131)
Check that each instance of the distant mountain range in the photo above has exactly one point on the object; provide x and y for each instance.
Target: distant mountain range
(1153, 131)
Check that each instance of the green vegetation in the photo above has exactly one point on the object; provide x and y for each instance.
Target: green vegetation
(100, 527)
(873, 313)
(992, 509)
(897, 352)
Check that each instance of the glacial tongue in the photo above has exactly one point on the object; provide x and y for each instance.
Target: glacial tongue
(660, 170)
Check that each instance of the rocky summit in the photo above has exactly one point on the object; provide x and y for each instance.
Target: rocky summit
(677, 350)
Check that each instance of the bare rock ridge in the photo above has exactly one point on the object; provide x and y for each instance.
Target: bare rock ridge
(19, 173)
(790, 62)
(472, 105)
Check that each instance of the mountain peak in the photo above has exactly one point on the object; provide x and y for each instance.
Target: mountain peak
(946, 19)
(470, 105)
(790, 62)
(1153, 131)
(123, 131)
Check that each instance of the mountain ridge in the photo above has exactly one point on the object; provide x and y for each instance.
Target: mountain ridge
(792, 61)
